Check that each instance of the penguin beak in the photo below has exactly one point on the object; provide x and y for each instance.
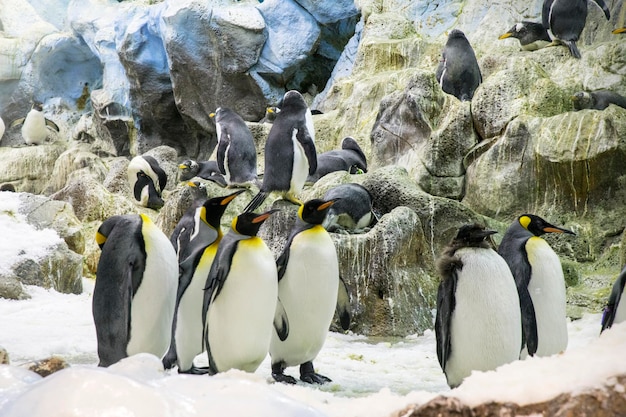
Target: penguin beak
(211, 115)
(262, 217)
(230, 197)
(327, 204)
(620, 30)
(555, 229)
(486, 233)
(182, 166)
(505, 35)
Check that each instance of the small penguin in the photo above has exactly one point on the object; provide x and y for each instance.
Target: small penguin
(458, 72)
(619, 30)
(565, 20)
(35, 125)
(270, 114)
(135, 291)
(597, 100)
(615, 310)
(308, 288)
(290, 154)
(186, 341)
(349, 158)
(531, 35)
(147, 181)
(236, 152)
(240, 298)
(540, 284)
(352, 210)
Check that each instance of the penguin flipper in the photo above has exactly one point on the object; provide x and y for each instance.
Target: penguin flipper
(256, 201)
(306, 140)
(17, 122)
(52, 125)
(343, 305)
(529, 321)
(614, 299)
(446, 303)
(605, 9)
(283, 259)
(281, 323)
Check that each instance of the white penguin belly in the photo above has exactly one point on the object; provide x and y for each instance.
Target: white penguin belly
(34, 129)
(308, 292)
(547, 290)
(240, 319)
(227, 175)
(485, 328)
(152, 309)
(188, 332)
(300, 170)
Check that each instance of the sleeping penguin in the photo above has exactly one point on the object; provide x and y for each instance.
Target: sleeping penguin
(147, 181)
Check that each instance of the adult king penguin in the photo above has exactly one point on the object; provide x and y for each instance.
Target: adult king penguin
(147, 181)
(458, 72)
(290, 154)
(308, 288)
(236, 152)
(531, 35)
(477, 325)
(35, 125)
(135, 290)
(240, 298)
(194, 268)
(540, 284)
(565, 20)
(615, 310)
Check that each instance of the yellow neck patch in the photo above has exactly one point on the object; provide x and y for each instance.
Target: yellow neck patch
(100, 239)
(524, 221)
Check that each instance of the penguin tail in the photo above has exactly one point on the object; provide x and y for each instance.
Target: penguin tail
(573, 49)
(256, 201)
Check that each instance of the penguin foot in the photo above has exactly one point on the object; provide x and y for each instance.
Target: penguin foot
(285, 379)
(195, 370)
(308, 374)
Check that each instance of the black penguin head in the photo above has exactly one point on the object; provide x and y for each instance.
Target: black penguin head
(249, 223)
(582, 100)
(146, 193)
(37, 105)
(538, 226)
(472, 235)
(213, 209)
(293, 101)
(455, 35)
(188, 169)
(314, 211)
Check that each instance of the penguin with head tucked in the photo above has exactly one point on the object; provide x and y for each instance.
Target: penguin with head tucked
(540, 284)
(206, 235)
(290, 154)
(352, 210)
(236, 152)
(349, 158)
(240, 298)
(135, 291)
(597, 100)
(458, 72)
(615, 310)
(531, 35)
(35, 125)
(147, 181)
(207, 170)
(308, 289)
(477, 325)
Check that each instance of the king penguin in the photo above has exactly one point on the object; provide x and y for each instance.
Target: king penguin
(35, 125)
(236, 152)
(147, 181)
(615, 310)
(290, 154)
(240, 298)
(458, 72)
(135, 291)
(194, 268)
(308, 289)
(540, 284)
(477, 326)
(207, 170)
(565, 20)
(352, 211)
(531, 35)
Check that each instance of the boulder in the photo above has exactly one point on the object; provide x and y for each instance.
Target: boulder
(29, 168)
(46, 367)
(4, 356)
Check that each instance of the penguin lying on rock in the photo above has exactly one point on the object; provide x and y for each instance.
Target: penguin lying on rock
(35, 125)
(352, 210)
(615, 310)
(207, 170)
(597, 100)
(531, 35)
(458, 72)
(349, 158)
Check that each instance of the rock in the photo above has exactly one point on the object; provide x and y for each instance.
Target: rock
(4, 356)
(11, 288)
(29, 168)
(48, 366)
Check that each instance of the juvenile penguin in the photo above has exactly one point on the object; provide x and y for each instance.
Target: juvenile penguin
(477, 325)
(531, 35)
(135, 291)
(35, 125)
(240, 298)
(352, 210)
(236, 152)
(458, 72)
(290, 154)
(615, 310)
(349, 158)
(597, 100)
(147, 181)
(308, 288)
(194, 268)
(540, 284)
(207, 170)
(565, 20)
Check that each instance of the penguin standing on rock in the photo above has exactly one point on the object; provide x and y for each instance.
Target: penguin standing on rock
(147, 181)
(290, 154)
(477, 325)
(615, 310)
(540, 284)
(240, 298)
(531, 35)
(35, 125)
(308, 289)
(135, 290)
(458, 72)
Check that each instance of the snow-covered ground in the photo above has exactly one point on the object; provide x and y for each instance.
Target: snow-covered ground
(370, 377)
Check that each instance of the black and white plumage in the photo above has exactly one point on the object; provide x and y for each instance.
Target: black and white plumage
(236, 152)
(565, 20)
(147, 181)
(35, 125)
(308, 289)
(135, 290)
(290, 154)
(270, 114)
(349, 158)
(531, 35)
(597, 100)
(477, 325)
(615, 310)
(458, 72)
(540, 284)
(352, 210)
(207, 170)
